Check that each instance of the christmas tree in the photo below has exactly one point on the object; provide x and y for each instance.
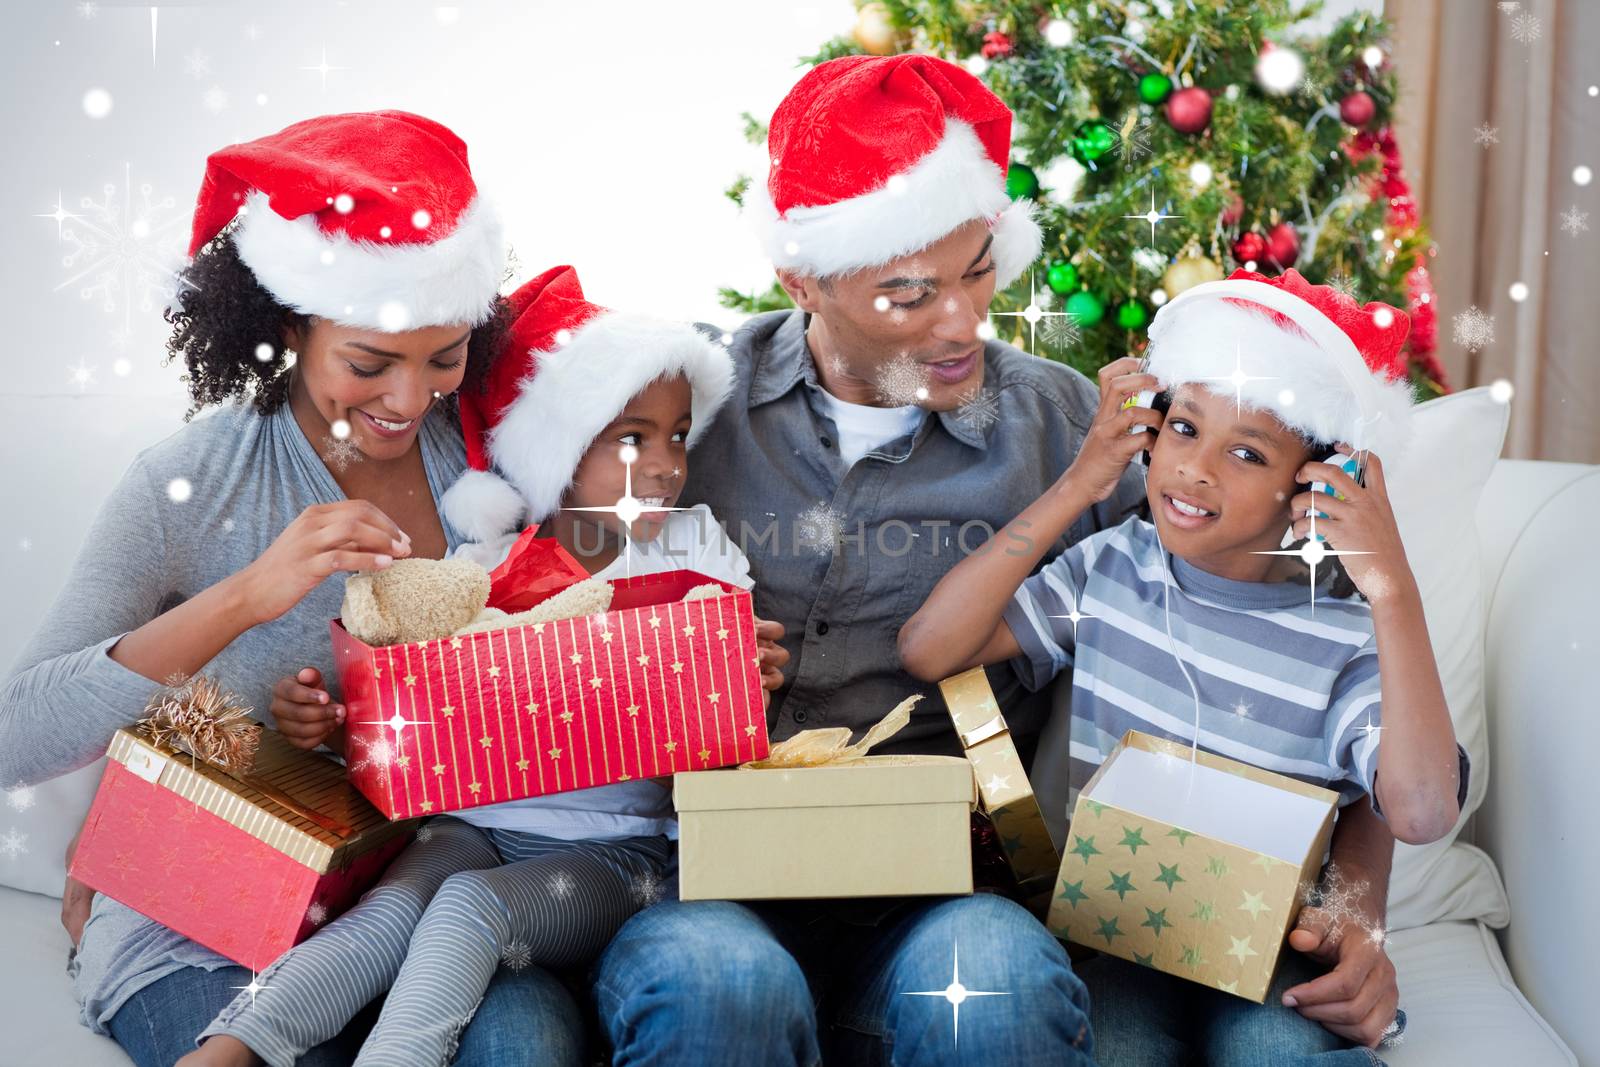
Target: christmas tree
(1169, 142)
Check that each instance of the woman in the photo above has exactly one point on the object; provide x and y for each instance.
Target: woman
(343, 286)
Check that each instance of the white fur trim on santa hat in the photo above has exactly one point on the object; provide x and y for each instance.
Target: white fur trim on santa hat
(1316, 384)
(579, 388)
(483, 506)
(951, 185)
(395, 287)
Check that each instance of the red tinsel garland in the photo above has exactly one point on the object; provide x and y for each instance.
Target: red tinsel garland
(1391, 183)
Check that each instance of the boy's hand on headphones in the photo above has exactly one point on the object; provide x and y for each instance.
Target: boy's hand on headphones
(1112, 440)
(1361, 527)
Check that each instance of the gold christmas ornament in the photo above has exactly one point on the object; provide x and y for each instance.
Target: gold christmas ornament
(874, 30)
(1188, 271)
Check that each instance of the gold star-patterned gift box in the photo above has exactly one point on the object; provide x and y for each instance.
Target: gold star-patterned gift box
(1005, 794)
(1193, 866)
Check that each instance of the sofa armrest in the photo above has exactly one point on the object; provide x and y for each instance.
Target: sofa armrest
(1537, 820)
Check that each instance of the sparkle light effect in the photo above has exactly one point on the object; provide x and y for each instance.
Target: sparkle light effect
(1315, 550)
(255, 986)
(1152, 217)
(628, 508)
(1059, 328)
(1238, 379)
(956, 993)
(324, 67)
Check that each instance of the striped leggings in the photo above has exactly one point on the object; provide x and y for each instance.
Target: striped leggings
(457, 903)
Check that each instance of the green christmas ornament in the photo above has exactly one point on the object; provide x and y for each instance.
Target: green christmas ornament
(1132, 315)
(1090, 141)
(1021, 182)
(1086, 308)
(1154, 88)
(1061, 277)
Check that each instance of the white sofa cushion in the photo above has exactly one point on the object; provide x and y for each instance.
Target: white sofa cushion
(38, 1012)
(1462, 1006)
(43, 819)
(1435, 489)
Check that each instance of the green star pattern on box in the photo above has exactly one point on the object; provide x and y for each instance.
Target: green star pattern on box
(1216, 916)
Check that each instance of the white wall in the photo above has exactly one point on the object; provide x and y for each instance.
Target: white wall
(605, 133)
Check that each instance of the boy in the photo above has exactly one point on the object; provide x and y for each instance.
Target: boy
(1195, 626)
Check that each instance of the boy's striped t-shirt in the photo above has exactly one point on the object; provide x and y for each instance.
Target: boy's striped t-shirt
(1282, 686)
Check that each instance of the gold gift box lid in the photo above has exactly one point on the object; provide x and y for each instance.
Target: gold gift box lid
(863, 782)
(298, 802)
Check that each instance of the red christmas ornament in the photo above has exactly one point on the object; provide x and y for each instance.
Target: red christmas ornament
(1251, 247)
(996, 45)
(1357, 109)
(1234, 211)
(1189, 110)
(1283, 245)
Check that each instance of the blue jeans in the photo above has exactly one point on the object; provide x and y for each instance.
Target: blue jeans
(527, 1017)
(714, 982)
(1146, 1018)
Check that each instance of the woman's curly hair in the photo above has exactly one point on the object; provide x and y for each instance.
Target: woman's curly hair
(226, 315)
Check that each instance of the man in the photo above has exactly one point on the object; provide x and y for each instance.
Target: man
(874, 436)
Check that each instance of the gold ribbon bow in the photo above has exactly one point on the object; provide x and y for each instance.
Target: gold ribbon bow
(831, 744)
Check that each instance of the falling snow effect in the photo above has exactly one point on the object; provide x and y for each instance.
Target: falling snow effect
(123, 249)
(1133, 140)
(13, 844)
(1486, 135)
(818, 529)
(1526, 29)
(979, 409)
(647, 889)
(197, 65)
(339, 455)
(562, 885)
(21, 798)
(1341, 281)
(215, 99)
(1474, 330)
(518, 955)
(1060, 331)
(88, 10)
(317, 914)
(902, 381)
(425, 834)
(1574, 221)
(1340, 900)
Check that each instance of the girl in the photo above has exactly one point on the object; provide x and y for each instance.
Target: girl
(587, 405)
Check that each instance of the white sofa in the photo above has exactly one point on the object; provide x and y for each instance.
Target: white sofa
(1472, 995)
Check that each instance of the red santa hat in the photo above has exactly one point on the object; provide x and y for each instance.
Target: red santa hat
(1329, 368)
(876, 157)
(369, 219)
(568, 369)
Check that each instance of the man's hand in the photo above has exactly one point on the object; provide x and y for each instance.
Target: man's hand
(1357, 999)
(75, 897)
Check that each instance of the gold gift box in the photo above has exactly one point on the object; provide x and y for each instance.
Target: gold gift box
(1005, 794)
(876, 826)
(1195, 868)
